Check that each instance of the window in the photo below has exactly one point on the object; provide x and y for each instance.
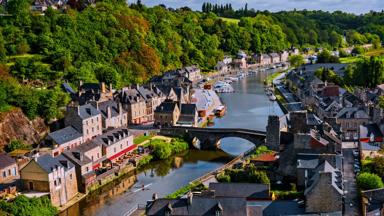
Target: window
(87, 131)
(70, 176)
(86, 122)
(98, 155)
(55, 183)
(87, 169)
(4, 174)
(97, 118)
(114, 149)
(59, 181)
(14, 171)
(9, 172)
(93, 130)
(92, 121)
(98, 128)
(92, 157)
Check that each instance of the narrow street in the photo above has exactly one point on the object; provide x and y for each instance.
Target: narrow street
(350, 187)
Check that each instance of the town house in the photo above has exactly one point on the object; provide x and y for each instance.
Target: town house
(350, 119)
(275, 58)
(167, 114)
(284, 56)
(134, 104)
(93, 92)
(115, 143)
(112, 114)
(188, 115)
(9, 170)
(86, 159)
(55, 176)
(86, 119)
(64, 139)
(191, 72)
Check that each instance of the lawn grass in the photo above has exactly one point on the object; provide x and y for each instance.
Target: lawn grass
(230, 20)
(349, 60)
(180, 192)
(140, 139)
(375, 52)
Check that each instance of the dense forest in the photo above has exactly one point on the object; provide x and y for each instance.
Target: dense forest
(122, 44)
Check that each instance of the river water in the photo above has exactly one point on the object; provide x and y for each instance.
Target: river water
(248, 108)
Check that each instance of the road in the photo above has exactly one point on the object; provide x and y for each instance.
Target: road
(350, 187)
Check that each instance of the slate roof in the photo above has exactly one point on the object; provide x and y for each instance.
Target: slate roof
(103, 108)
(130, 96)
(352, 99)
(68, 88)
(88, 111)
(6, 160)
(199, 206)
(354, 113)
(188, 109)
(283, 207)
(336, 180)
(375, 199)
(146, 93)
(166, 107)
(64, 135)
(307, 161)
(112, 136)
(312, 119)
(240, 190)
(74, 154)
(48, 163)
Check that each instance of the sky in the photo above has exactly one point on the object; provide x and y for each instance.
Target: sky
(352, 6)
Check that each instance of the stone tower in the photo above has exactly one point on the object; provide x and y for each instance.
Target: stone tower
(273, 132)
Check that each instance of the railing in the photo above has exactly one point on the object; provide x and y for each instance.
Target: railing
(225, 166)
(241, 130)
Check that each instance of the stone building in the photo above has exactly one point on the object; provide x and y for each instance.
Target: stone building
(86, 159)
(112, 114)
(64, 139)
(53, 175)
(373, 202)
(134, 104)
(86, 119)
(93, 92)
(275, 58)
(324, 193)
(188, 115)
(115, 143)
(9, 170)
(273, 133)
(167, 114)
(191, 72)
(350, 119)
(284, 56)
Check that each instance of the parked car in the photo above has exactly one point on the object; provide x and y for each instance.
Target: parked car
(355, 153)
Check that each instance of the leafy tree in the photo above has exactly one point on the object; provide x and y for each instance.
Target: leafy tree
(296, 60)
(358, 50)
(378, 165)
(16, 144)
(368, 181)
(24, 206)
(326, 57)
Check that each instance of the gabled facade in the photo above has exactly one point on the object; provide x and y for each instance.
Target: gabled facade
(86, 119)
(167, 114)
(55, 176)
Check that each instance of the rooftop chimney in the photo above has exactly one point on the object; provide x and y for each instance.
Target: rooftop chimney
(103, 90)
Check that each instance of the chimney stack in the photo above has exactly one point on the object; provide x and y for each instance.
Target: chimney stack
(103, 90)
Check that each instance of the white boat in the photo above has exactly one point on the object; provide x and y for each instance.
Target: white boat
(272, 97)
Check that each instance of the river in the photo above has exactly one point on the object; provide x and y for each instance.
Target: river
(248, 108)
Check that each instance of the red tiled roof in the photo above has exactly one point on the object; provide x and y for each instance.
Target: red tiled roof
(266, 157)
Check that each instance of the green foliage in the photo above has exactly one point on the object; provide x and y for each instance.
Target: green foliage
(16, 144)
(296, 60)
(368, 181)
(326, 57)
(23, 206)
(358, 50)
(141, 139)
(326, 74)
(144, 160)
(191, 187)
(368, 72)
(163, 149)
(251, 175)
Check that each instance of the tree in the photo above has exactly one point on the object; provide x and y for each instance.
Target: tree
(326, 57)
(358, 50)
(296, 60)
(378, 165)
(368, 181)
(23, 206)
(16, 144)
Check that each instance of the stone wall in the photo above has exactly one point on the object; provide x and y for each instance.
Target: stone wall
(273, 133)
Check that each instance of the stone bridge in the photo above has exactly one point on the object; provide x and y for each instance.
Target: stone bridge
(209, 138)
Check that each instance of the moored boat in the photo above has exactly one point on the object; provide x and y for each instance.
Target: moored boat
(220, 111)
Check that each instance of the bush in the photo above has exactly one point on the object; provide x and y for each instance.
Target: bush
(358, 50)
(144, 160)
(163, 149)
(223, 178)
(16, 144)
(368, 181)
(24, 206)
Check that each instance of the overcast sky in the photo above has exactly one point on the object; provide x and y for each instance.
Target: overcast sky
(354, 6)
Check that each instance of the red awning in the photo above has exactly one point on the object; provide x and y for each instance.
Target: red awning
(130, 148)
(95, 166)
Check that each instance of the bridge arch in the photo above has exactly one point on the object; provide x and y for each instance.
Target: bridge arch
(209, 138)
